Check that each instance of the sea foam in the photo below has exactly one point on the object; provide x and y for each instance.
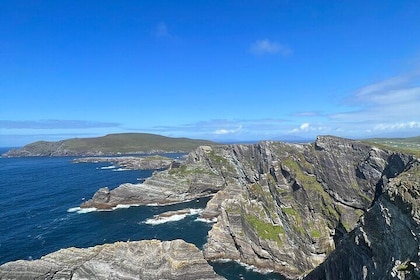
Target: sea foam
(80, 210)
(157, 220)
(109, 167)
(209, 221)
(121, 169)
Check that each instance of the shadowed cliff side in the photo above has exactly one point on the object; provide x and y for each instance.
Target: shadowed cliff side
(386, 244)
(297, 201)
(279, 206)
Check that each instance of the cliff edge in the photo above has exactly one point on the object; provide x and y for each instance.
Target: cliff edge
(332, 209)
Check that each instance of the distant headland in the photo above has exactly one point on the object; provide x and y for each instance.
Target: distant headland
(111, 144)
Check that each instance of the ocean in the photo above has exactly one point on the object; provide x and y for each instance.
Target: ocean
(39, 215)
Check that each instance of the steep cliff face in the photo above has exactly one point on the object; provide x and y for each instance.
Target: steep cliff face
(291, 204)
(150, 259)
(200, 176)
(386, 243)
(282, 207)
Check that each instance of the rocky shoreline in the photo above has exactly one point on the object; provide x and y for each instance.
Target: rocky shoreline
(297, 209)
(132, 162)
(147, 259)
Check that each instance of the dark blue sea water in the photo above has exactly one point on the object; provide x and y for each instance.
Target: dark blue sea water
(36, 194)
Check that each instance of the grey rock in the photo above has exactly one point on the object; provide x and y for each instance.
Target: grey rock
(148, 259)
(385, 245)
(131, 162)
(198, 177)
(284, 207)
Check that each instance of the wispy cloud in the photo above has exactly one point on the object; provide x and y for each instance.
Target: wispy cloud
(308, 114)
(55, 124)
(385, 85)
(397, 126)
(265, 46)
(244, 129)
(394, 100)
(306, 128)
(389, 106)
(223, 131)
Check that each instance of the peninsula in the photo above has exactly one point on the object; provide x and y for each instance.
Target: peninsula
(111, 144)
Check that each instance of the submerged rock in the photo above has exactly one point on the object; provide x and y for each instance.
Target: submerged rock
(148, 259)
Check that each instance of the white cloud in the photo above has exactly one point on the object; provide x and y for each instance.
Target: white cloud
(227, 131)
(384, 104)
(385, 85)
(304, 126)
(265, 46)
(397, 126)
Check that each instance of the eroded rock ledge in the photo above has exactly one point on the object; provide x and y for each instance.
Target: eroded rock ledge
(132, 163)
(148, 259)
(279, 206)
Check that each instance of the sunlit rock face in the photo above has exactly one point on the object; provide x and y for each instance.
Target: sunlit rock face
(287, 206)
(283, 207)
(149, 259)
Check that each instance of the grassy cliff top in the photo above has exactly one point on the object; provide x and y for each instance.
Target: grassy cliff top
(410, 145)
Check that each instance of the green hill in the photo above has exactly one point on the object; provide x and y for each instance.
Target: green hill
(112, 144)
(408, 145)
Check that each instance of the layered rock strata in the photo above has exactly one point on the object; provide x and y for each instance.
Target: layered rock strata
(198, 177)
(282, 207)
(298, 201)
(386, 243)
(151, 259)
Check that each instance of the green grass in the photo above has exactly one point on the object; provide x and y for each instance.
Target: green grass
(315, 233)
(124, 143)
(310, 184)
(265, 230)
(409, 145)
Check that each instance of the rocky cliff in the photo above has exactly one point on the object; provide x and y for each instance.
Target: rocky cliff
(133, 163)
(332, 209)
(296, 202)
(282, 207)
(151, 259)
(386, 242)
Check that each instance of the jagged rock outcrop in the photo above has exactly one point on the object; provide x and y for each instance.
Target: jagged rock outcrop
(200, 176)
(132, 163)
(386, 243)
(149, 259)
(297, 201)
(282, 207)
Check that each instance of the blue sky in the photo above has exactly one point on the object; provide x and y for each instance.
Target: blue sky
(219, 70)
